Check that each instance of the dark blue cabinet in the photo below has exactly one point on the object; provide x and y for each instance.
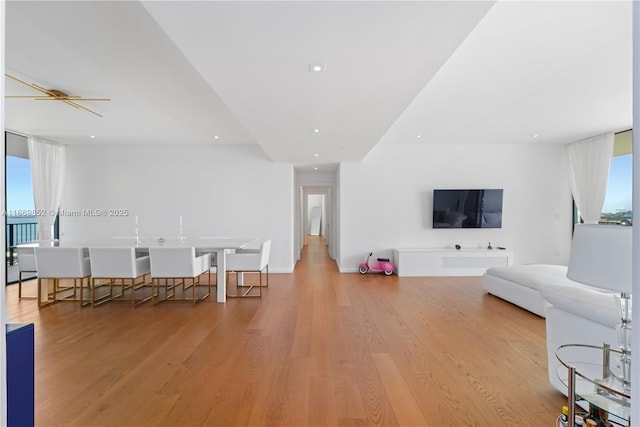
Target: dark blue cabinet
(20, 375)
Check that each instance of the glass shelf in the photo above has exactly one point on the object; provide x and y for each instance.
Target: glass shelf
(594, 383)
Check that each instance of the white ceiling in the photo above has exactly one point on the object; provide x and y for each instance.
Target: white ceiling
(452, 72)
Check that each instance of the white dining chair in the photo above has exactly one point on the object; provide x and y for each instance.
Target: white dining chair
(213, 261)
(56, 263)
(113, 266)
(249, 261)
(178, 269)
(26, 265)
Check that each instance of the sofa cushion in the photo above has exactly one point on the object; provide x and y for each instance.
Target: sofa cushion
(533, 275)
(584, 301)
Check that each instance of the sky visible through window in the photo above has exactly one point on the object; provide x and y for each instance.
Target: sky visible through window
(19, 213)
(19, 189)
(619, 187)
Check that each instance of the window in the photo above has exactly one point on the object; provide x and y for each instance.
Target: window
(19, 211)
(617, 208)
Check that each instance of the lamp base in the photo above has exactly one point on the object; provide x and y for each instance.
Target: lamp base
(624, 336)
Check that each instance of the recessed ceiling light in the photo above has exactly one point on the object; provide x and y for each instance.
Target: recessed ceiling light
(316, 155)
(316, 168)
(316, 131)
(216, 137)
(316, 68)
(418, 136)
(92, 136)
(535, 135)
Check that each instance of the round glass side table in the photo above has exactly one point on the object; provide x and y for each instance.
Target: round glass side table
(593, 374)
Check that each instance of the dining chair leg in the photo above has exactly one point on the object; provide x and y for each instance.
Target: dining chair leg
(91, 291)
(133, 293)
(39, 284)
(141, 284)
(20, 296)
(40, 302)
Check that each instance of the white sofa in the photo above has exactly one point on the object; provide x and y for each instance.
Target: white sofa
(575, 313)
(519, 284)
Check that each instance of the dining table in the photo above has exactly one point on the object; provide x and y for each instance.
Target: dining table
(219, 246)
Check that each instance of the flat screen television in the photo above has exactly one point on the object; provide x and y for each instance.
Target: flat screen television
(467, 208)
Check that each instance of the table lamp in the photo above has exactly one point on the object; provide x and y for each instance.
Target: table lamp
(601, 257)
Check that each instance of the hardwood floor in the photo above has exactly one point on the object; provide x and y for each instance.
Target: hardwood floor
(319, 349)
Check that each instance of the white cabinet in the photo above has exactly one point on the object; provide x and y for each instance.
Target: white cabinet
(448, 262)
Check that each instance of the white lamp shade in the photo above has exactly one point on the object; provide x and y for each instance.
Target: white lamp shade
(601, 257)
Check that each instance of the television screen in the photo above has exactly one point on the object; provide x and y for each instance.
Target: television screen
(467, 208)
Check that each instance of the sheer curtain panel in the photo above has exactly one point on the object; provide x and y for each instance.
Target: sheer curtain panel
(47, 173)
(589, 161)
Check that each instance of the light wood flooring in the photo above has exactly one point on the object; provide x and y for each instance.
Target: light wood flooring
(319, 349)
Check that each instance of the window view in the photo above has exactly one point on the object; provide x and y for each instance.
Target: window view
(19, 211)
(617, 208)
(19, 214)
(617, 203)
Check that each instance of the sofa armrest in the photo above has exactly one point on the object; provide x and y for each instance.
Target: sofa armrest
(584, 301)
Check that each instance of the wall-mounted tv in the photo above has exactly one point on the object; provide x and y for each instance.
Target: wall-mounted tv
(467, 208)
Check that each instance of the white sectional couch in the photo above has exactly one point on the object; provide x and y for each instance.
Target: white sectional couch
(519, 284)
(575, 313)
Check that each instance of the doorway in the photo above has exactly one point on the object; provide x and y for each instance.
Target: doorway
(315, 215)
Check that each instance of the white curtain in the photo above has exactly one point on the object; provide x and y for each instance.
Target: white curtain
(47, 173)
(589, 162)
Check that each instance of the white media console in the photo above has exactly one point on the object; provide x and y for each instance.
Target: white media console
(448, 262)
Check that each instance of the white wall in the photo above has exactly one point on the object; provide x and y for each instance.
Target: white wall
(386, 200)
(219, 190)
